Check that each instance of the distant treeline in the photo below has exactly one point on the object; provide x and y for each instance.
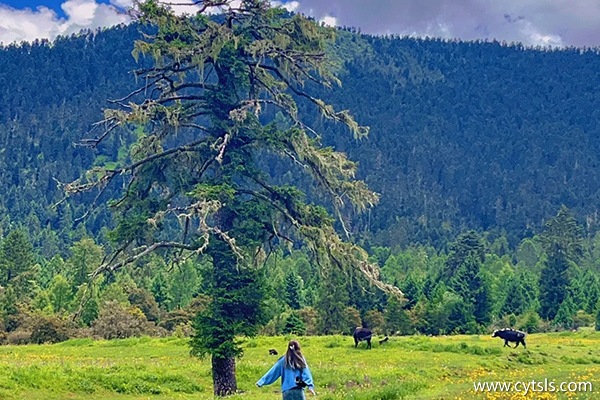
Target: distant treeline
(551, 282)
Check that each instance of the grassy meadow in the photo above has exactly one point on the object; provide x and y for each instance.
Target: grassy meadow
(414, 367)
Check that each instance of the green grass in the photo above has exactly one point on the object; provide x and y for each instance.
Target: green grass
(415, 367)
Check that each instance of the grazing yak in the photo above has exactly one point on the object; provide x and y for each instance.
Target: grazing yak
(511, 335)
(361, 334)
(273, 352)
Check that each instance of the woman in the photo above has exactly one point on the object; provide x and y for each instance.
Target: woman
(294, 373)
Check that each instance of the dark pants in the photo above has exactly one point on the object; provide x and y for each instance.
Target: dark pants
(294, 394)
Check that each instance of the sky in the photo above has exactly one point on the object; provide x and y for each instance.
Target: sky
(531, 22)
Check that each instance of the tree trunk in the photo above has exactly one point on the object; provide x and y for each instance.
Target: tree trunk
(223, 371)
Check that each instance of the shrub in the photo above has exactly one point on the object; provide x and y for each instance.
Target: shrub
(184, 315)
(19, 336)
(119, 322)
(352, 319)
(374, 320)
(144, 300)
(531, 324)
(175, 318)
(48, 330)
(309, 317)
(183, 330)
(581, 319)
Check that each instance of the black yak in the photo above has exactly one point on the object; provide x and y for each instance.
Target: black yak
(384, 340)
(272, 352)
(511, 335)
(361, 334)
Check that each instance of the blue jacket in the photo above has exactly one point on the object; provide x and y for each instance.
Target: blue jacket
(288, 376)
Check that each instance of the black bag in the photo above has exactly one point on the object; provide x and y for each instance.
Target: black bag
(300, 383)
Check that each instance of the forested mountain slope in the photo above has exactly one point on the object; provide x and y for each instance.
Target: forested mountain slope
(476, 134)
(463, 135)
(49, 97)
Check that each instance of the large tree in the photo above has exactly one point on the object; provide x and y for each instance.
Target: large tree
(562, 241)
(465, 276)
(203, 122)
(17, 263)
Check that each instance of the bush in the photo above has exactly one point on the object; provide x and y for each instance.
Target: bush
(143, 299)
(49, 330)
(374, 320)
(119, 322)
(184, 315)
(531, 323)
(581, 319)
(176, 318)
(309, 317)
(17, 337)
(183, 330)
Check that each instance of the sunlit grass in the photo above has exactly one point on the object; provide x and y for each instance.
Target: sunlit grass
(415, 367)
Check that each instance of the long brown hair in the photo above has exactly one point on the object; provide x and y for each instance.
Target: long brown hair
(293, 357)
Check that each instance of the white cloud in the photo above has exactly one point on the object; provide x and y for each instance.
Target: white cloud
(122, 3)
(80, 12)
(44, 23)
(329, 20)
(183, 7)
(290, 6)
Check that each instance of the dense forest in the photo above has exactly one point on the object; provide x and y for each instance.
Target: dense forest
(485, 155)
(464, 135)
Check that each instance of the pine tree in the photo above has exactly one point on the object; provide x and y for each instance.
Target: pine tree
(412, 288)
(332, 303)
(562, 243)
(397, 320)
(293, 290)
(8, 309)
(564, 315)
(17, 263)
(468, 245)
(516, 299)
(591, 288)
(201, 133)
(465, 278)
(161, 292)
(86, 257)
(294, 325)
(184, 284)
